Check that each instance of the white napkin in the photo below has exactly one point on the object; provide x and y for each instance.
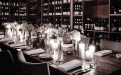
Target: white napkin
(1, 36)
(18, 44)
(103, 52)
(70, 65)
(67, 45)
(5, 39)
(118, 55)
(23, 47)
(34, 37)
(35, 51)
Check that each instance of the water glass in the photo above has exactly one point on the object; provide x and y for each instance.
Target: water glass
(92, 62)
(60, 56)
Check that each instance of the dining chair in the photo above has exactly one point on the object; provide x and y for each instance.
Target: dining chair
(111, 45)
(30, 68)
(7, 65)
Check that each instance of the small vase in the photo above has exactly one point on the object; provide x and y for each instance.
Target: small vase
(30, 33)
(29, 42)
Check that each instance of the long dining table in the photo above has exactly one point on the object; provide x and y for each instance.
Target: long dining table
(105, 65)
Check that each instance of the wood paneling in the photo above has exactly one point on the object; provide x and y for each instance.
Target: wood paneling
(100, 8)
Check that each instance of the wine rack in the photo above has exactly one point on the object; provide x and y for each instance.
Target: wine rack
(66, 9)
(34, 12)
(105, 22)
(77, 23)
(115, 24)
(5, 11)
(66, 22)
(45, 10)
(77, 8)
(115, 7)
(96, 23)
(20, 11)
(56, 12)
(115, 20)
(57, 22)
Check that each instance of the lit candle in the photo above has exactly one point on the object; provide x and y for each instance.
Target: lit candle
(92, 50)
(87, 54)
(53, 44)
(82, 51)
(91, 56)
(55, 55)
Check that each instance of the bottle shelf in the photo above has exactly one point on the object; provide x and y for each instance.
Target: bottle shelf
(77, 1)
(19, 10)
(66, 3)
(77, 15)
(115, 14)
(102, 31)
(116, 32)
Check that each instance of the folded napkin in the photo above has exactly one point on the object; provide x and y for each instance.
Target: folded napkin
(70, 65)
(5, 39)
(67, 45)
(35, 51)
(1, 36)
(23, 47)
(18, 44)
(34, 37)
(103, 52)
(118, 55)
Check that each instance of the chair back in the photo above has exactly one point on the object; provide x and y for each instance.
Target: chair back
(7, 65)
(30, 68)
(111, 45)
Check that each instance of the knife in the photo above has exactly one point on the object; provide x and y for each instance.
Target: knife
(80, 71)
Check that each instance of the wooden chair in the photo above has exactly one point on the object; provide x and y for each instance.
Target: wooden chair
(7, 65)
(111, 45)
(29, 68)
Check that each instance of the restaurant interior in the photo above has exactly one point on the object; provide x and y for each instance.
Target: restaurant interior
(60, 37)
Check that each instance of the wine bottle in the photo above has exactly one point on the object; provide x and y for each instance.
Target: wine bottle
(86, 24)
(115, 10)
(119, 25)
(114, 25)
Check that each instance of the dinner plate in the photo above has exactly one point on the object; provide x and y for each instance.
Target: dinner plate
(45, 56)
(118, 56)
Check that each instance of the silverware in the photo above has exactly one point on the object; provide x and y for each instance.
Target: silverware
(80, 71)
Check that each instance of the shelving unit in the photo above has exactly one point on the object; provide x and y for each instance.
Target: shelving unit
(21, 11)
(56, 12)
(34, 12)
(115, 20)
(106, 21)
(5, 11)
(77, 15)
